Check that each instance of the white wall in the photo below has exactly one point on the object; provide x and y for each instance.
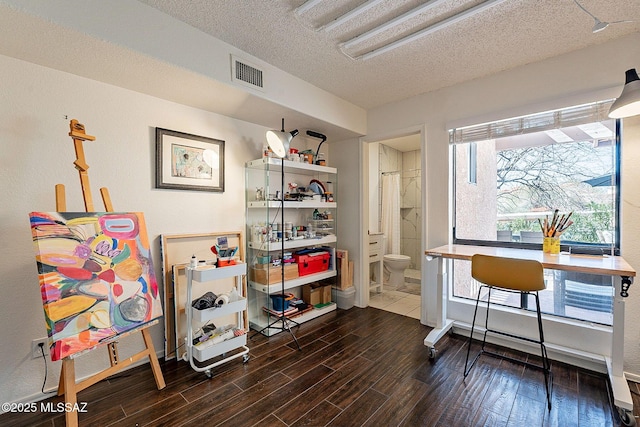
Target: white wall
(374, 187)
(158, 51)
(345, 157)
(36, 153)
(578, 77)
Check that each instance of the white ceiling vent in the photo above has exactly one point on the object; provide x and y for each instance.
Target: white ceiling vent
(246, 74)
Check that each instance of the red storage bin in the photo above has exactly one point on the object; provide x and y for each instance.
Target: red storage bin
(314, 262)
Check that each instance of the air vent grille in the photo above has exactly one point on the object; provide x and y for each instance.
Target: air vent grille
(246, 74)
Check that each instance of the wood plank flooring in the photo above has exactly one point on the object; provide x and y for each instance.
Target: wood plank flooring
(358, 367)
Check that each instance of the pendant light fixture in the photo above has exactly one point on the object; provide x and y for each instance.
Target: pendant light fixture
(628, 103)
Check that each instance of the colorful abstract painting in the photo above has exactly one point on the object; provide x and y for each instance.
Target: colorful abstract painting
(190, 162)
(96, 277)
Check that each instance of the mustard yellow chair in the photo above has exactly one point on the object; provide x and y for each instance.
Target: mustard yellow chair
(525, 277)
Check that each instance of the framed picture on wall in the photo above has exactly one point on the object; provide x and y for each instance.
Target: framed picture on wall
(189, 162)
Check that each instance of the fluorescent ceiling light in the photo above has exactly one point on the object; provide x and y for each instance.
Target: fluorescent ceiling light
(429, 30)
(558, 136)
(350, 15)
(596, 130)
(307, 6)
(602, 143)
(390, 24)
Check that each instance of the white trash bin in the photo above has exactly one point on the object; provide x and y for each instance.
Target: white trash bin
(346, 298)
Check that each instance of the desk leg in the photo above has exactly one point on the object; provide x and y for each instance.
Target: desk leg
(621, 393)
(442, 323)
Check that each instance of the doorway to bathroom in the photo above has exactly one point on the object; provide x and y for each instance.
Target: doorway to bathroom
(395, 212)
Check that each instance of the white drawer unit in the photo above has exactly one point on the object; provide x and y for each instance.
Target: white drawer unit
(376, 255)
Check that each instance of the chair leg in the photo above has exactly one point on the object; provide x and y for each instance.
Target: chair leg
(467, 366)
(546, 365)
(486, 319)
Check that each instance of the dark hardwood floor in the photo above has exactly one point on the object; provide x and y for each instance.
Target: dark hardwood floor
(359, 367)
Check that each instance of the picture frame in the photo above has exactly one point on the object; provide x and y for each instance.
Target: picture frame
(189, 162)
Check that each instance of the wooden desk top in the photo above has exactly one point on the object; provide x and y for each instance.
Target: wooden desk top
(604, 265)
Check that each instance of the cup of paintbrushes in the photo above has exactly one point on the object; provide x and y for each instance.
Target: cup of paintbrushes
(551, 245)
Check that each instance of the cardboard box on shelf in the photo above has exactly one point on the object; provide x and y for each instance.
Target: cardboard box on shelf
(315, 293)
(267, 274)
(326, 294)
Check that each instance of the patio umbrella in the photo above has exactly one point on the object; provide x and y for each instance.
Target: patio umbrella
(600, 181)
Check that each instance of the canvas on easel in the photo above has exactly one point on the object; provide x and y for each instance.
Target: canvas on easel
(96, 277)
(106, 291)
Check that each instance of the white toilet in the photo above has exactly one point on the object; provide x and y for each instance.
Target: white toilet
(396, 264)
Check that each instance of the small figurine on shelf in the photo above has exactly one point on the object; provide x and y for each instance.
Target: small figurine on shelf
(259, 194)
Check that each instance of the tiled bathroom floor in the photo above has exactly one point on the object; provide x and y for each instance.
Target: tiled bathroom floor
(396, 301)
(411, 275)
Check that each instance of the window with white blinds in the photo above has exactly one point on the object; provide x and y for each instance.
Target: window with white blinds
(512, 176)
(539, 122)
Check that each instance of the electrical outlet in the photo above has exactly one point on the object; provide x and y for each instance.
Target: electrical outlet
(35, 348)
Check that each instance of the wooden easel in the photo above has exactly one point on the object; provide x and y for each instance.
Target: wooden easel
(68, 385)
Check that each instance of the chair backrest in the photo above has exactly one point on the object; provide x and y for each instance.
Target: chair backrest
(508, 273)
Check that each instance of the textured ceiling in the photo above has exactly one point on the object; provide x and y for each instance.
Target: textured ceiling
(508, 34)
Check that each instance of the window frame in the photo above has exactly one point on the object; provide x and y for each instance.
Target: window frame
(473, 163)
(598, 249)
(582, 248)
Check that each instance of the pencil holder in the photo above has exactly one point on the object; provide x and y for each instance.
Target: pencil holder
(551, 245)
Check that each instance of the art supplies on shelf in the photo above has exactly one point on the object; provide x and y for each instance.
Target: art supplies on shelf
(225, 254)
(289, 311)
(292, 229)
(205, 346)
(211, 300)
(296, 307)
(217, 336)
